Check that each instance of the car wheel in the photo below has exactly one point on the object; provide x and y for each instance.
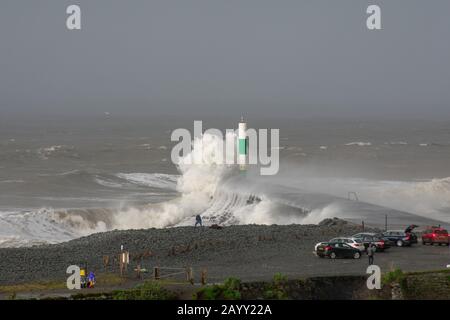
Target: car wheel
(333, 255)
(357, 255)
(399, 243)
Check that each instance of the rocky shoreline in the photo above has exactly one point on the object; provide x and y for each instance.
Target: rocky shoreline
(248, 252)
(242, 250)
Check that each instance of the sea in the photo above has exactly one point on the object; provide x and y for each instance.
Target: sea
(66, 177)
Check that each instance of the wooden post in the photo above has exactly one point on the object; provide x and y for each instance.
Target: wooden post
(189, 275)
(203, 277)
(121, 264)
(156, 273)
(115, 263)
(124, 260)
(385, 223)
(105, 262)
(138, 271)
(363, 225)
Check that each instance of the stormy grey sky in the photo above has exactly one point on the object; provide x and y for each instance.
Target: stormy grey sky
(293, 58)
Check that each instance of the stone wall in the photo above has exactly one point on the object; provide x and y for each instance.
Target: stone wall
(426, 285)
(316, 288)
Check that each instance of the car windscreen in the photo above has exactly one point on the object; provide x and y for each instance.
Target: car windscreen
(441, 231)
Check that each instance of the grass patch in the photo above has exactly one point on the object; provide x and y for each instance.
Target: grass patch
(395, 276)
(149, 290)
(107, 279)
(37, 286)
(229, 290)
(276, 289)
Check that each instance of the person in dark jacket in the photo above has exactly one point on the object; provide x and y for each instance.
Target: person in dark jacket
(371, 253)
(198, 220)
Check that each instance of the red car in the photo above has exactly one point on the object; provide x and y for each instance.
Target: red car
(435, 235)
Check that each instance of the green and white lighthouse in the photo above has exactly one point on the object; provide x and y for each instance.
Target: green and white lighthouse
(243, 144)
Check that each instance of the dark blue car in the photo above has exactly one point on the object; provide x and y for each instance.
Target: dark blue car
(400, 238)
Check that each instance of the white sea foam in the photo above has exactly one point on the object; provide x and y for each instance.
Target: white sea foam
(108, 183)
(429, 198)
(317, 215)
(43, 226)
(154, 180)
(12, 181)
(45, 152)
(359, 144)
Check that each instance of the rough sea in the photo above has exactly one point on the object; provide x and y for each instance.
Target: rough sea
(62, 178)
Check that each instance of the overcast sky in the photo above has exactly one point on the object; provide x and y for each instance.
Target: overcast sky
(274, 57)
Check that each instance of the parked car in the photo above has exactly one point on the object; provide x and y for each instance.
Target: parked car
(377, 239)
(352, 242)
(434, 235)
(335, 250)
(319, 244)
(400, 238)
(409, 230)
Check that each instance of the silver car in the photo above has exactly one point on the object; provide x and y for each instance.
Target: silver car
(353, 242)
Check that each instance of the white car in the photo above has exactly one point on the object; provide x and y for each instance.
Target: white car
(353, 242)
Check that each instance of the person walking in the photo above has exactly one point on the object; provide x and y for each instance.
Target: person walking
(371, 253)
(198, 220)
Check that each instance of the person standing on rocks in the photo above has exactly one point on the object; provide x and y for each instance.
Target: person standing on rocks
(371, 253)
(198, 220)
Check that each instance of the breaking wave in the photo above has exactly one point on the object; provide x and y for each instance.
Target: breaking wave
(430, 199)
